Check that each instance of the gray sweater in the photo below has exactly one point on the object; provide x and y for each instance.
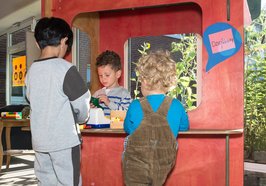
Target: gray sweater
(59, 100)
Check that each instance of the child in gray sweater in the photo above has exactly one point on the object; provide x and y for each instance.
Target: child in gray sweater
(59, 99)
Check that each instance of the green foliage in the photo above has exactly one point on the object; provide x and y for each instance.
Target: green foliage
(186, 70)
(255, 85)
(143, 51)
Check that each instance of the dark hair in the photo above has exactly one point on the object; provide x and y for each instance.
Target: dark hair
(50, 31)
(109, 58)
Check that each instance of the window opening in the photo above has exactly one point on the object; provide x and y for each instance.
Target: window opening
(3, 54)
(185, 49)
(82, 54)
(16, 47)
(19, 35)
(17, 92)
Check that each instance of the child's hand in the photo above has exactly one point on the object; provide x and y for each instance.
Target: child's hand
(92, 105)
(104, 99)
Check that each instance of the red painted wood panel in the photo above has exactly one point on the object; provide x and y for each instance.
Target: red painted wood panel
(200, 161)
(117, 27)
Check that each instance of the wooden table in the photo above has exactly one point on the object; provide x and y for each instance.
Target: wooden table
(201, 132)
(8, 124)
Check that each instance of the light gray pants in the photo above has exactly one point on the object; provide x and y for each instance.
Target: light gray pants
(59, 168)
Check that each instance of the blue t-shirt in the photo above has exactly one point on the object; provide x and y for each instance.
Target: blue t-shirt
(176, 116)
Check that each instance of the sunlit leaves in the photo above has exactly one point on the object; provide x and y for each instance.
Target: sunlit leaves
(186, 70)
(255, 85)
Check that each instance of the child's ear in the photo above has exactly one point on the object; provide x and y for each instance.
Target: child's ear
(37, 45)
(144, 82)
(63, 40)
(118, 73)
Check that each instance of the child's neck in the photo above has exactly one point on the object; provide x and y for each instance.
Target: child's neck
(152, 92)
(113, 86)
(49, 52)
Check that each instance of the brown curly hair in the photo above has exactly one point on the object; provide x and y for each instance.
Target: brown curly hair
(109, 58)
(158, 70)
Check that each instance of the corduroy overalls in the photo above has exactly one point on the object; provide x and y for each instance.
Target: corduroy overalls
(151, 150)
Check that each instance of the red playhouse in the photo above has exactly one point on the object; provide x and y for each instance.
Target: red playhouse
(211, 153)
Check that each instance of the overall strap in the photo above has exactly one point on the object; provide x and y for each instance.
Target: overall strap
(164, 107)
(145, 105)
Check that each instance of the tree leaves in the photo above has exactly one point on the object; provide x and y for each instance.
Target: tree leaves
(255, 85)
(186, 70)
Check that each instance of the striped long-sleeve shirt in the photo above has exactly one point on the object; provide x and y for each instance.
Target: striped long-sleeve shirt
(119, 97)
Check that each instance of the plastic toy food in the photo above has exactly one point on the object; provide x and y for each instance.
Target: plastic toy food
(95, 101)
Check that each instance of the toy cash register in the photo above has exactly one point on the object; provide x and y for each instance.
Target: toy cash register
(97, 119)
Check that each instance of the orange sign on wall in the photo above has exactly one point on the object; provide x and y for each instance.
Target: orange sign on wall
(19, 71)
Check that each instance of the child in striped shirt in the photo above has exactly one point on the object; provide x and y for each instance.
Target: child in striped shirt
(112, 96)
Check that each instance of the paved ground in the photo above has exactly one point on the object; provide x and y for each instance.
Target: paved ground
(255, 167)
(20, 172)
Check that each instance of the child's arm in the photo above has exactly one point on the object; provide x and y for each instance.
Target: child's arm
(120, 102)
(184, 123)
(127, 122)
(133, 118)
(177, 117)
(79, 96)
(27, 88)
(122, 105)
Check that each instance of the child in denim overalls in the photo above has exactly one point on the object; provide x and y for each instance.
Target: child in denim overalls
(152, 123)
